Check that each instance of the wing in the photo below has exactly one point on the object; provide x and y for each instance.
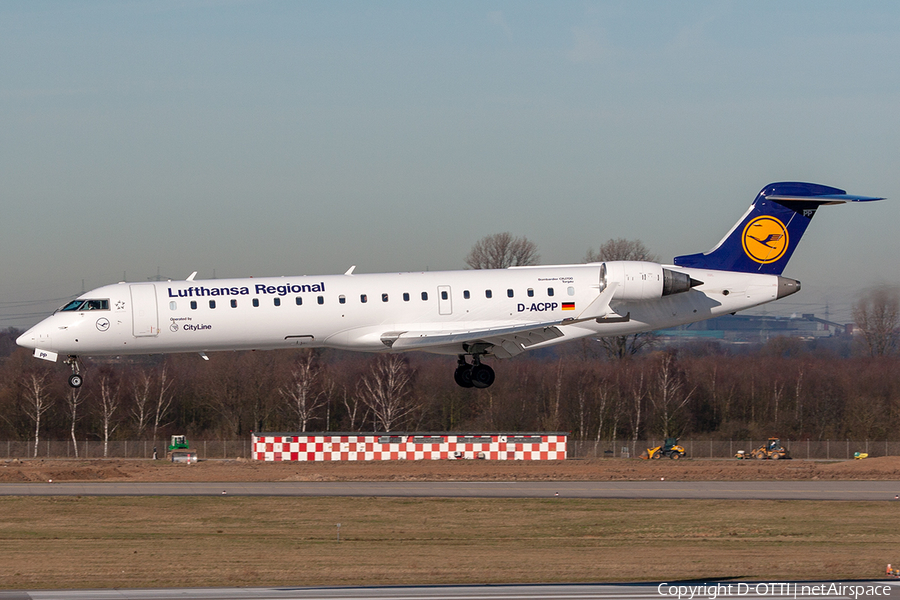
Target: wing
(502, 341)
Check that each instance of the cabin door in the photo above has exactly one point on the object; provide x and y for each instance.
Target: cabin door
(144, 316)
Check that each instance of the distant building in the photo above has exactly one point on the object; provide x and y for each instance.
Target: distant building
(755, 328)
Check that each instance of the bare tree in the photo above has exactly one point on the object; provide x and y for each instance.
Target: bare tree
(140, 393)
(552, 418)
(386, 390)
(502, 250)
(303, 391)
(109, 404)
(877, 315)
(352, 404)
(163, 401)
(668, 397)
(37, 402)
(623, 346)
(621, 249)
(73, 401)
(637, 392)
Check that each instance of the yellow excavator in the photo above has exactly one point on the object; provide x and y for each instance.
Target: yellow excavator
(773, 450)
(670, 449)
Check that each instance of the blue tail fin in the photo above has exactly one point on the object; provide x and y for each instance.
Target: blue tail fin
(766, 236)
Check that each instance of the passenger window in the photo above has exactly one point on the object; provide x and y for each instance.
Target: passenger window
(406, 296)
(444, 295)
(233, 303)
(299, 300)
(363, 298)
(173, 306)
(549, 291)
(571, 291)
(277, 301)
(509, 293)
(424, 295)
(256, 303)
(212, 303)
(384, 297)
(320, 299)
(193, 305)
(342, 299)
(488, 294)
(466, 294)
(531, 292)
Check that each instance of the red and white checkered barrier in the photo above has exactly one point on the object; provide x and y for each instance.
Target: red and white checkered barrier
(390, 446)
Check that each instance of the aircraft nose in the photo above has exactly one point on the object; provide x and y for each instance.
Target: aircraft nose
(27, 339)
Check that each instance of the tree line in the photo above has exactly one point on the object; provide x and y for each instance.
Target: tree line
(629, 387)
(782, 388)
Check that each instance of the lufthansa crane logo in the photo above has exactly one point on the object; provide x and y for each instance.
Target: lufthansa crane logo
(765, 239)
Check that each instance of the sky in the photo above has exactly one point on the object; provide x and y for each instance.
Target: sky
(255, 138)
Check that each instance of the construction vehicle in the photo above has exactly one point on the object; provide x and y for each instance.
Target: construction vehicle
(670, 449)
(772, 450)
(180, 450)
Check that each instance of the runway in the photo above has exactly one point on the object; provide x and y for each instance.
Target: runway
(687, 490)
(478, 592)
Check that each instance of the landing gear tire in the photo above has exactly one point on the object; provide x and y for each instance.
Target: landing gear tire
(482, 376)
(75, 379)
(463, 376)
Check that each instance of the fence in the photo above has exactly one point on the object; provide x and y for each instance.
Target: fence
(206, 449)
(804, 449)
(231, 449)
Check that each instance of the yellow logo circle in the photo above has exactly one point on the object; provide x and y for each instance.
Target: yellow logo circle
(765, 239)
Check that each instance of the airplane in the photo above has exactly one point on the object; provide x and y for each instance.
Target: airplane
(497, 313)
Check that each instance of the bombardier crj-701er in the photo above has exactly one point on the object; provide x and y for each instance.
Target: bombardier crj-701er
(478, 314)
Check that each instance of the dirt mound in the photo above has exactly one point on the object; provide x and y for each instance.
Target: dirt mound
(24, 471)
(882, 467)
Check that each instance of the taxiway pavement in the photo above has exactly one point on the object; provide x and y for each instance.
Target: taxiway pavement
(689, 490)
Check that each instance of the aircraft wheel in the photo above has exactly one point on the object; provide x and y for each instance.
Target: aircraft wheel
(75, 380)
(463, 376)
(482, 376)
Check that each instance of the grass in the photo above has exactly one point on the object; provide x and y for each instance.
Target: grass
(243, 541)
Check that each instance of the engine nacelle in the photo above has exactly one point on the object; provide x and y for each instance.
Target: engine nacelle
(640, 280)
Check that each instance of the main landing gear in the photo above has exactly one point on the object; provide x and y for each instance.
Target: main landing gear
(475, 375)
(75, 379)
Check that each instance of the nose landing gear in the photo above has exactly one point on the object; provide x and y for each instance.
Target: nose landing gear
(475, 375)
(75, 379)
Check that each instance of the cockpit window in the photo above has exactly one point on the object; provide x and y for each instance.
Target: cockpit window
(82, 304)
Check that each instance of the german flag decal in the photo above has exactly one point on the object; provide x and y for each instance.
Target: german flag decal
(568, 306)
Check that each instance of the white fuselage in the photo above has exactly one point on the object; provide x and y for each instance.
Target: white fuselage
(361, 312)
